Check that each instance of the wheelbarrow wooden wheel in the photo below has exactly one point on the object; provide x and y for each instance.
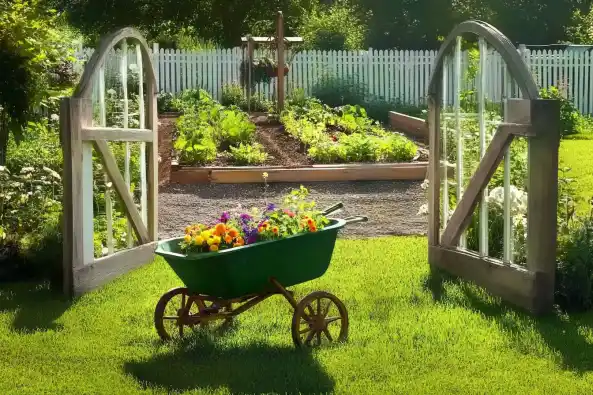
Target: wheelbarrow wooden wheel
(320, 317)
(177, 312)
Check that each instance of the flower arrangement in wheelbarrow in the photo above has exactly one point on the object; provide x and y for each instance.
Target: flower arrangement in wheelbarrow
(295, 216)
(242, 258)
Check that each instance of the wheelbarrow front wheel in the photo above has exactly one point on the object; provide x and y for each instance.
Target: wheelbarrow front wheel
(319, 318)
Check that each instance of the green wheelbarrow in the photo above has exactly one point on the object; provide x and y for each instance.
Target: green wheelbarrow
(221, 285)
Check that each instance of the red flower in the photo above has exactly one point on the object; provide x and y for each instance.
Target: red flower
(289, 213)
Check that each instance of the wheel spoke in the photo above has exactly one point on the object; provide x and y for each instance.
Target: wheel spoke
(311, 311)
(309, 338)
(182, 301)
(180, 330)
(318, 338)
(318, 306)
(170, 317)
(303, 331)
(331, 319)
(328, 335)
(326, 309)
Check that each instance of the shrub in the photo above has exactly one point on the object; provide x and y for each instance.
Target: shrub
(40, 147)
(337, 27)
(571, 121)
(258, 104)
(247, 154)
(336, 91)
(574, 273)
(35, 51)
(165, 102)
(296, 98)
(232, 95)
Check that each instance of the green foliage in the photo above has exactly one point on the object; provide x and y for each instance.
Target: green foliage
(337, 27)
(574, 274)
(232, 95)
(296, 97)
(337, 91)
(40, 147)
(580, 30)
(207, 127)
(571, 120)
(35, 51)
(343, 134)
(165, 102)
(247, 154)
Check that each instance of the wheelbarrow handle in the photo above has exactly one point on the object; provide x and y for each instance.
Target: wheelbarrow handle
(353, 220)
(333, 208)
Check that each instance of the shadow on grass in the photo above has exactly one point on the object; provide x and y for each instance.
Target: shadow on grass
(257, 368)
(36, 306)
(565, 334)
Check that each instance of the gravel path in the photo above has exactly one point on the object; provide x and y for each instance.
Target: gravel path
(392, 207)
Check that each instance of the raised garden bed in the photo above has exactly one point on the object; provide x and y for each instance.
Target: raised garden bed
(308, 142)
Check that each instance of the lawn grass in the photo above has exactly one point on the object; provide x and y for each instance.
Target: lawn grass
(577, 154)
(404, 338)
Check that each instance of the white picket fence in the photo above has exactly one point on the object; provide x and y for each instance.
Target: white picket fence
(391, 74)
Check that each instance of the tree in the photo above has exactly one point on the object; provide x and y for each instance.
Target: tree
(337, 27)
(580, 30)
(221, 21)
(35, 52)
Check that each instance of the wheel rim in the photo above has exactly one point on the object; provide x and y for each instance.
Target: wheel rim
(176, 307)
(171, 312)
(319, 318)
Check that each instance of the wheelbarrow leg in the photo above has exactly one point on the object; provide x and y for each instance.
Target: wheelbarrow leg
(288, 295)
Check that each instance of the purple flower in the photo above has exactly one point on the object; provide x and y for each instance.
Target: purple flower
(245, 218)
(224, 218)
(271, 207)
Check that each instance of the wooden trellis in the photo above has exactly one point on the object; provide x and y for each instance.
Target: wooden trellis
(530, 286)
(82, 271)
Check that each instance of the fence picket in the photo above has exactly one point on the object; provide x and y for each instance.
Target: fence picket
(393, 74)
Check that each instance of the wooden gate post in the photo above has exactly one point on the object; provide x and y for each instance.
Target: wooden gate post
(542, 200)
(280, 45)
(75, 114)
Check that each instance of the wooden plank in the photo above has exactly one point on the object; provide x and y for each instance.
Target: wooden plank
(511, 282)
(152, 159)
(120, 186)
(412, 126)
(434, 171)
(543, 198)
(310, 175)
(280, 48)
(404, 171)
(106, 269)
(72, 207)
(462, 215)
(116, 134)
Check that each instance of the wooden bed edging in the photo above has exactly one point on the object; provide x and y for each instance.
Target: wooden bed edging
(411, 126)
(346, 172)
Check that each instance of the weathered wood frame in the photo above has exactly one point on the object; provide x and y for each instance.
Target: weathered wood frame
(81, 270)
(530, 286)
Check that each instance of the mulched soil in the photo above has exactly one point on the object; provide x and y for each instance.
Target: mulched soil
(392, 207)
(283, 149)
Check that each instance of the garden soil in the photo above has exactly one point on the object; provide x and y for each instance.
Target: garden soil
(392, 207)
